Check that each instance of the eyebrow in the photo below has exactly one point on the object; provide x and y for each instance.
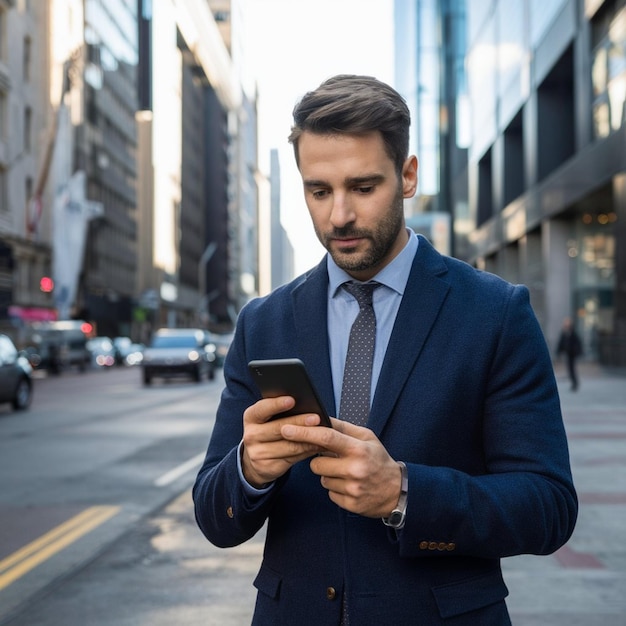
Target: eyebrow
(349, 182)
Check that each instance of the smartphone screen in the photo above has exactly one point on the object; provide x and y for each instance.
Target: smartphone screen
(288, 377)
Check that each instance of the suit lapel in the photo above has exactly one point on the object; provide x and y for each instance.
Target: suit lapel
(423, 297)
(310, 305)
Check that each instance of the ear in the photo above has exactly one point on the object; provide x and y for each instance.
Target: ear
(409, 177)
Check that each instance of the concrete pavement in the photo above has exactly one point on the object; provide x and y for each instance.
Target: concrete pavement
(584, 583)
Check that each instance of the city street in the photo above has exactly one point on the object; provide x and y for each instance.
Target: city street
(95, 454)
(147, 563)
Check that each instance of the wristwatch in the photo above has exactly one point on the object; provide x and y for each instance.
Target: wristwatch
(398, 515)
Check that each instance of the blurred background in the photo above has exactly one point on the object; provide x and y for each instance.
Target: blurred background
(146, 180)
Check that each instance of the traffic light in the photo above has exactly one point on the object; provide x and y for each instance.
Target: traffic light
(46, 284)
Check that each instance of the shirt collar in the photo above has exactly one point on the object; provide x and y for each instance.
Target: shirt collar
(395, 275)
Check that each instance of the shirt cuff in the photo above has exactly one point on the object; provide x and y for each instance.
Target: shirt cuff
(248, 488)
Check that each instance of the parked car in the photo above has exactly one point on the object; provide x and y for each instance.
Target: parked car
(134, 354)
(121, 346)
(179, 352)
(222, 343)
(16, 383)
(59, 345)
(102, 351)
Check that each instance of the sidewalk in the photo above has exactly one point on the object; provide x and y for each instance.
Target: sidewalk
(584, 583)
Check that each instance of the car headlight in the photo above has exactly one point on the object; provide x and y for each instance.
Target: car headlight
(193, 355)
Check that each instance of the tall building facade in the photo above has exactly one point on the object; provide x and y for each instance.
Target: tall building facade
(540, 195)
(26, 120)
(128, 165)
(547, 161)
(198, 200)
(430, 46)
(282, 253)
(105, 148)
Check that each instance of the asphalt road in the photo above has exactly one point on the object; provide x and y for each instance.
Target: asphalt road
(93, 458)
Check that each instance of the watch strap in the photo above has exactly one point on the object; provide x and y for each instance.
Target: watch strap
(398, 515)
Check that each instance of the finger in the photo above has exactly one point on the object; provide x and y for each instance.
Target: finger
(326, 438)
(352, 430)
(264, 410)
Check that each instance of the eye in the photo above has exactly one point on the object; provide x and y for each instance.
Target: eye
(364, 189)
(319, 194)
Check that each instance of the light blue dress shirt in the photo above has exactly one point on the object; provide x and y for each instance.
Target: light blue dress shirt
(343, 309)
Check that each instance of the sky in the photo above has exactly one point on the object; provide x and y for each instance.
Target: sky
(291, 47)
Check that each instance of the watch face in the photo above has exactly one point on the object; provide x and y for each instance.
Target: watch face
(395, 518)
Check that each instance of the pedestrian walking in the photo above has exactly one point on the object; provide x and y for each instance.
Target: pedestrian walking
(449, 451)
(571, 346)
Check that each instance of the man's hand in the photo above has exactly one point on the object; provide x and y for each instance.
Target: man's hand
(354, 467)
(267, 455)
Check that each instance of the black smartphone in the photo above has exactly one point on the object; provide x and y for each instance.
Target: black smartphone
(288, 377)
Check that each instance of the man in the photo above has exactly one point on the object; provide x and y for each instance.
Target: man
(463, 459)
(570, 345)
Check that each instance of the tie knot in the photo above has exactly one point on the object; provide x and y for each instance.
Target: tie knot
(362, 292)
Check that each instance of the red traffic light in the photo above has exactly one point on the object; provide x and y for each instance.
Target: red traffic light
(46, 284)
(86, 327)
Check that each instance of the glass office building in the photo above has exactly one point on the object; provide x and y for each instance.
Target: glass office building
(540, 195)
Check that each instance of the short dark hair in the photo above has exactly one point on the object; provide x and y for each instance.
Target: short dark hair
(352, 104)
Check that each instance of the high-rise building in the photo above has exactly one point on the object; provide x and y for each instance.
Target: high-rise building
(26, 122)
(105, 148)
(547, 161)
(541, 199)
(198, 202)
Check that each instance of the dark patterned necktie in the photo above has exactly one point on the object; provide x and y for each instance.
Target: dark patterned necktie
(357, 375)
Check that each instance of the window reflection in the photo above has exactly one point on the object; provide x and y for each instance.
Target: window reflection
(608, 75)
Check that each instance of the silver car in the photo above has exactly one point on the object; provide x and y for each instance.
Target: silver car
(16, 383)
(178, 352)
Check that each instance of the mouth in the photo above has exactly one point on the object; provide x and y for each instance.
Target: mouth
(347, 241)
(350, 242)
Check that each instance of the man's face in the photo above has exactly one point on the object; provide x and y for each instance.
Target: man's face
(355, 199)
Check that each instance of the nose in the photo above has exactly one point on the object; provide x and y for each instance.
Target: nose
(342, 211)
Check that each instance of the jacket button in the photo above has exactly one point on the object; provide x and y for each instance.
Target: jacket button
(451, 546)
(432, 545)
(423, 545)
(229, 512)
(331, 594)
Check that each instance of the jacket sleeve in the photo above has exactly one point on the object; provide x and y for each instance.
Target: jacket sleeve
(524, 501)
(225, 512)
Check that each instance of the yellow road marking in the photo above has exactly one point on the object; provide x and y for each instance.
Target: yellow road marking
(27, 558)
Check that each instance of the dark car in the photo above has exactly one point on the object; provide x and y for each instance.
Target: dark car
(16, 383)
(222, 343)
(102, 351)
(178, 352)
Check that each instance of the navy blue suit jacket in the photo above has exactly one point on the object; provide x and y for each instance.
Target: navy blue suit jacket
(466, 397)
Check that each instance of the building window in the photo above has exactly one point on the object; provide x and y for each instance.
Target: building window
(4, 200)
(555, 116)
(3, 34)
(608, 71)
(3, 115)
(28, 133)
(485, 190)
(26, 62)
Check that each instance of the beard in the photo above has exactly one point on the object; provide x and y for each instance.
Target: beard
(381, 240)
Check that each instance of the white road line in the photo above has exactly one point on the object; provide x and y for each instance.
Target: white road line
(177, 472)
